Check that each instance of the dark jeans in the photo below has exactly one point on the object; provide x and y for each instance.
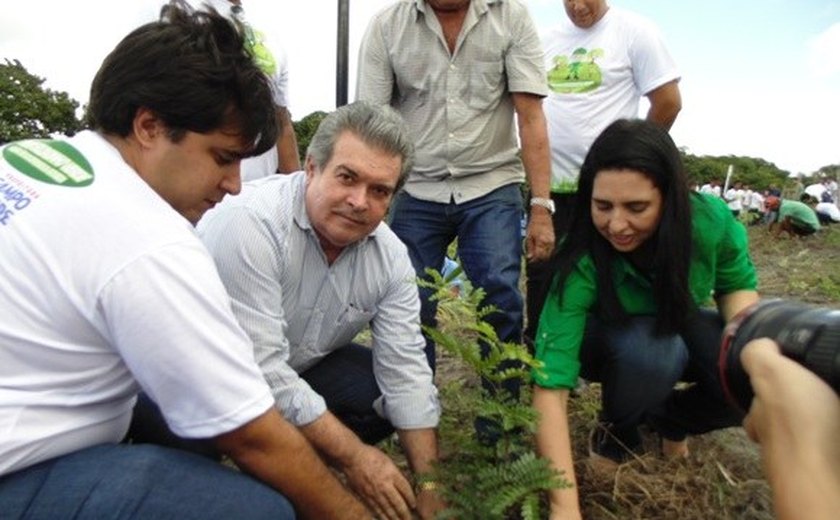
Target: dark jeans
(541, 274)
(346, 382)
(824, 218)
(801, 229)
(638, 372)
(137, 481)
(488, 230)
(344, 379)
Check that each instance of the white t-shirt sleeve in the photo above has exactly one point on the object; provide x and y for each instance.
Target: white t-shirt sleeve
(653, 65)
(280, 80)
(170, 319)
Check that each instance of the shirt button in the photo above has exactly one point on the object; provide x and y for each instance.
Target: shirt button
(451, 135)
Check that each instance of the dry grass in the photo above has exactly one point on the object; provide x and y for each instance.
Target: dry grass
(722, 478)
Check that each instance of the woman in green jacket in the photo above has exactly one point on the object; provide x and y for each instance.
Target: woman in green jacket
(643, 256)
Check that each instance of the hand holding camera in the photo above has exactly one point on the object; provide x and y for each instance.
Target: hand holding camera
(808, 335)
(789, 381)
(795, 416)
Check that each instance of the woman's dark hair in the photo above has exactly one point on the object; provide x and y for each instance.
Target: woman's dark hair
(647, 148)
(192, 70)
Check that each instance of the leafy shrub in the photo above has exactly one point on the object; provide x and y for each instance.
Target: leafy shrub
(506, 479)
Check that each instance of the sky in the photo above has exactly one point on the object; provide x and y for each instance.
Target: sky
(760, 78)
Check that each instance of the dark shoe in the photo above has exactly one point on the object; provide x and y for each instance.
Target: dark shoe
(604, 444)
(603, 467)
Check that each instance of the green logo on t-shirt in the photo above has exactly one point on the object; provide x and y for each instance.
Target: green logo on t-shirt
(577, 74)
(50, 161)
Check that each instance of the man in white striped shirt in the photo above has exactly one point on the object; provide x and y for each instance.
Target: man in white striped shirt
(309, 263)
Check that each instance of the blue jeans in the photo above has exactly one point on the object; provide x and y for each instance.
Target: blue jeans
(638, 371)
(344, 379)
(137, 481)
(488, 230)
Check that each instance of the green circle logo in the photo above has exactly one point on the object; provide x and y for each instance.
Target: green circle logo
(50, 161)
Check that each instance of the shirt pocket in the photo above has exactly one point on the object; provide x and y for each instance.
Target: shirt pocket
(350, 322)
(486, 83)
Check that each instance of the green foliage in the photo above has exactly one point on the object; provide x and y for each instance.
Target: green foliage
(481, 481)
(28, 110)
(756, 173)
(831, 170)
(305, 129)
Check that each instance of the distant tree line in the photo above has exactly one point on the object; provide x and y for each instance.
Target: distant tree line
(305, 129)
(756, 173)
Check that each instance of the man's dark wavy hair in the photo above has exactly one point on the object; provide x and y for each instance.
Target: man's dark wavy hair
(639, 145)
(192, 70)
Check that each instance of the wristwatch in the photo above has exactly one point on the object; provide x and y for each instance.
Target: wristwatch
(543, 202)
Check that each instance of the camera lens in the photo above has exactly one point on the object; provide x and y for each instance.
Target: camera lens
(806, 334)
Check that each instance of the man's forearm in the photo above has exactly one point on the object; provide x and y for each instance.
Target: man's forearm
(336, 442)
(535, 159)
(665, 105)
(274, 451)
(421, 448)
(369, 472)
(288, 156)
(540, 239)
(533, 135)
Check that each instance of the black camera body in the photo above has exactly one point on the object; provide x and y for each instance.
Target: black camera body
(808, 335)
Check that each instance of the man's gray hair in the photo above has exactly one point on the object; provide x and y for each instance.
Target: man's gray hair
(378, 126)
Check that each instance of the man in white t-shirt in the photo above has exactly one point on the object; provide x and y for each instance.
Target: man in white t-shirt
(755, 207)
(711, 187)
(600, 62)
(827, 212)
(107, 290)
(271, 58)
(734, 197)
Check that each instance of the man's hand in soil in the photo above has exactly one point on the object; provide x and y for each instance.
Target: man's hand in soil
(380, 484)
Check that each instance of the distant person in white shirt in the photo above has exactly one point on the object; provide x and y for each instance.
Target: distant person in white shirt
(756, 207)
(829, 193)
(831, 184)
(711, 187)
(827, 212)
(733, 197)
